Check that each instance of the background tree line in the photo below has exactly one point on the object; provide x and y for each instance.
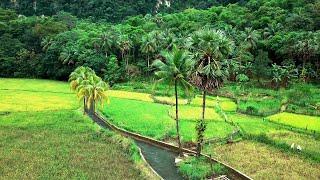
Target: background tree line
(109, 10)
(275, 40)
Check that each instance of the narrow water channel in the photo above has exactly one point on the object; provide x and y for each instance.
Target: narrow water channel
(161, 160)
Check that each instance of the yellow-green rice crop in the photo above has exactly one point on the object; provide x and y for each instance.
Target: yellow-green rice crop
(225, 103)
(297, 120)
(194, 113)
(170, 100)
(16, 100)
(130, 95)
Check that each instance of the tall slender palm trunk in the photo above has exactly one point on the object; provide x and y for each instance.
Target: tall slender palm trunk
(204, 104)
(84, 106)
(201, 132)
(177, 117)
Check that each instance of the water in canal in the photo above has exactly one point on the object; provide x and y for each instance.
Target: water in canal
(161, 160)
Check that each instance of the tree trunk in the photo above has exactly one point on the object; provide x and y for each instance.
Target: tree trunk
(177, 118)
(201, 131)
(204, 104)
(84, 106)
(148, 71)
(92, 107)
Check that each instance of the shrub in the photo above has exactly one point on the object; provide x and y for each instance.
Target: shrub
(199, 168)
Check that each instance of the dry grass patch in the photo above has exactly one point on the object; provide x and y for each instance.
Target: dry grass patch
(260, 161)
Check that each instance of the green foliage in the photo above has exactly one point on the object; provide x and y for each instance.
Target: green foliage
(113, 71)
(53, 46)
(89, 87)
(199, 168)
(257, 107)
(309, 123)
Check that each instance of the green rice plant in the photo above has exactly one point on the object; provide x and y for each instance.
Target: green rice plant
(196, 168)
(130, 95)
(61, 144)
(147, 118)
(19, 100)
(151, 119)
(311, 123)
(215, 129)
(35, 85)
(259, 107)
(169, 100)
(194, 113)
(225, 103)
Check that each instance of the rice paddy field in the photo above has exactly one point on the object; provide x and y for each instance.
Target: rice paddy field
(261, 150)
(44, 136)
(268, 140)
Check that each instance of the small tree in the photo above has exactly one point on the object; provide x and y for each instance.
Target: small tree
(113, 71)
(242, 79)
(281, 75)
(175, 71)
(261, 64)
(211, 68)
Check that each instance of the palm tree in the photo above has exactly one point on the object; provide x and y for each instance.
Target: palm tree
(94, 89)
(77, 77)
(175, 70)
(106, 41)
(148, 47)
(251, 37)
(89, 87)
(124, 44)
(212, 49)
(271, 30)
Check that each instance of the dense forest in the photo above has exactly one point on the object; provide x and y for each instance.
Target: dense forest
(109, 10)
(272, 40)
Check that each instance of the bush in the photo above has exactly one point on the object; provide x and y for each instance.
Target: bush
(113, 72)
(199, 168)
(255, 107)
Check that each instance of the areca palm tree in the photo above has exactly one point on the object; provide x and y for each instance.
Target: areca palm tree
(175, 71)
(124, 44)
(107, 40)
(212, 49)
(148, 47)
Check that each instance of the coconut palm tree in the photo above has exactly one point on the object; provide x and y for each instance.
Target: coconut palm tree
(77, 77)
(212, 49)
(94, 90)
(175, 71)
